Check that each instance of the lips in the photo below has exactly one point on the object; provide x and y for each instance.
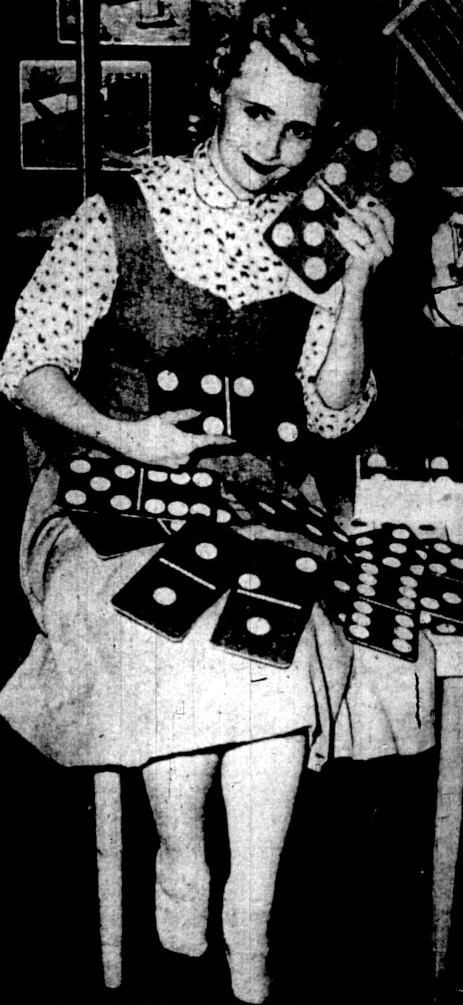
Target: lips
(263, 169)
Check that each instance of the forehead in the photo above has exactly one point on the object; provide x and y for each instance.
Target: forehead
(265, 80)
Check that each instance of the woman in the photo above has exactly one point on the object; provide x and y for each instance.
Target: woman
(97, 688)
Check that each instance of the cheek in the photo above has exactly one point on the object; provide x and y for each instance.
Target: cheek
(234, 127)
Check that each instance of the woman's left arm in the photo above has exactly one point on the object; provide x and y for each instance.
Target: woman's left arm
(367, 235)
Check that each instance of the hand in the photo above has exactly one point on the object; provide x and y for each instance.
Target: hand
(157, 440)
(445, 254)
(367, 234)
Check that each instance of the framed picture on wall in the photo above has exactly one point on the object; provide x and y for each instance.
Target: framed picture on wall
(50, 121)
(126, 129)
(136, 22)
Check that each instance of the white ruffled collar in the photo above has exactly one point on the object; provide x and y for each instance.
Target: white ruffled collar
(213, 191)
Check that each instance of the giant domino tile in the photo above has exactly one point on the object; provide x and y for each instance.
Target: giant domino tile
(385, 583)
(304, 235)
(239, 405)
(95, 482)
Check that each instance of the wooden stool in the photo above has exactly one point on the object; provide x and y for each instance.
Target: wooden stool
(108, 821)
(449, 810)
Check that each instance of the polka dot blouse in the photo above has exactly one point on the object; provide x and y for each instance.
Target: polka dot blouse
(207, 236)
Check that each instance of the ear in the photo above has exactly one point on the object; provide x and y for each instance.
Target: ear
(215, 96)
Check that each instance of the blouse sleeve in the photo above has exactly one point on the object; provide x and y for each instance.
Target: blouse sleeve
(327, 422)
(70, 290)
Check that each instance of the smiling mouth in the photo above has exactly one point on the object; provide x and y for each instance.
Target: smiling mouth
(263, 169)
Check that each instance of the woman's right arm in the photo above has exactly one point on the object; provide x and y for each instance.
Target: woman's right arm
(70, 291)
(49, 393)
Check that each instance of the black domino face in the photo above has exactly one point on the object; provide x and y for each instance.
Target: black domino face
(178, 494)
(339, 586)
(186, 577)
(290, 512)
(112, 537)
(438, 625)
(403, 465)
(279, 573)
(382, 628)
(270, 603)
(379, 600)
(252, 628)
(95, 483)
(411, 465)
(443, 597)
(446, 559)
(240, 404)
(389, 567)
(441, 601)
(446, 464)
(226, 401)
(304, 235)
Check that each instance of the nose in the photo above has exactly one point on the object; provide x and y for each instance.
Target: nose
(269, 145)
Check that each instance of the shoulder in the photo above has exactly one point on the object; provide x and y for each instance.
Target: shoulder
(164, 173)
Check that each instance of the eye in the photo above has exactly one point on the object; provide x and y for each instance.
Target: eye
(299, 131)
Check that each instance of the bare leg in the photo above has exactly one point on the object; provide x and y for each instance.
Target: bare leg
(177, 788)
(259, 782)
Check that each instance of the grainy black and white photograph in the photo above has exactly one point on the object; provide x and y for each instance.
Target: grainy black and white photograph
(135, 22)
(231, 371)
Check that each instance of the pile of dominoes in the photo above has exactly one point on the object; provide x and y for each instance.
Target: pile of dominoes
(383, 584)
(389, 583)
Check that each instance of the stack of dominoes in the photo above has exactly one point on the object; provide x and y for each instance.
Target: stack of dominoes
(376, 587)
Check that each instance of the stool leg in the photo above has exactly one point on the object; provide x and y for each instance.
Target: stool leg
(448, 815)
(109, 862)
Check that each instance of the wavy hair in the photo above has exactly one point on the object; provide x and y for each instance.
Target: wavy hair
(289, 30)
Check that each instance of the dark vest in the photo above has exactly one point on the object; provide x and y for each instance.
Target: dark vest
(158, 321)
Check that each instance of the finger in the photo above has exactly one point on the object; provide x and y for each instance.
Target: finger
(203, 440)
(369, 202)
(352, 237)
(180, 415)
(376, 229)
(174, 461)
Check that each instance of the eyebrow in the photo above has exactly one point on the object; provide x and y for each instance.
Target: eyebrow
(270, 111)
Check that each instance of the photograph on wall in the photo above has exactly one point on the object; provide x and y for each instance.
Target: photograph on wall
(125, 112)
(137, 22)
(50, 130)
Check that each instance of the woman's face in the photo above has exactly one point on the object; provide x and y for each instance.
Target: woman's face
(267, 123)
